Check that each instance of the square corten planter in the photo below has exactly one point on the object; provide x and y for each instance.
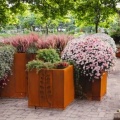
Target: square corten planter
(51, 88)
(95, 90)
(118, 55)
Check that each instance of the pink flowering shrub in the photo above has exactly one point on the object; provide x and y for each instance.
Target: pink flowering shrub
(23, 42)
(32, 42)
(61, 41)
(106, 38)
(55, 41)
(90, 55)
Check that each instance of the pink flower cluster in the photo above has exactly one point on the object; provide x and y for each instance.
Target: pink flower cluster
(24, 42)
(90, 55)
(106, 38)
(54, 41)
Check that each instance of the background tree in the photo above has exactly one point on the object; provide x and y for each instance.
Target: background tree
(93, 11)
(3, 13)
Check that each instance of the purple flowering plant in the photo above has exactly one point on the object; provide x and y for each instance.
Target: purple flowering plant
(90, 55)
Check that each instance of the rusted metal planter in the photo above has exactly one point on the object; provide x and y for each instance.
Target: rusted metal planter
(51, 88)
(17, 85)
(118, 55)
(97, 89)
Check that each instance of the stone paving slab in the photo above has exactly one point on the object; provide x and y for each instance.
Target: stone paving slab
(17, 109)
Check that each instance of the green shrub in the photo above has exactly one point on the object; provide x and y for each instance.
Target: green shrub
(46, 59)
(6, 62)
(115, 34)
(48, 55)
(38, 65)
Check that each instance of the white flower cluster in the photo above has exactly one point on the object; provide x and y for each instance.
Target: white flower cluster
(90, 55)
(107, 38)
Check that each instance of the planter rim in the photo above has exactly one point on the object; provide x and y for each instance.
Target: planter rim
(52, 69)
(62, 69)
(20, 53)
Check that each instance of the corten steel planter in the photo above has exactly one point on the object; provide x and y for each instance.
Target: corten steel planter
(97, 89)
(31, 56)
(51, 88)
(17, 85)
(118, 55)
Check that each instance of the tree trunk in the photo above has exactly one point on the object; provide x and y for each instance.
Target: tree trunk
(46, 30)
(96, 27)
(57, 29)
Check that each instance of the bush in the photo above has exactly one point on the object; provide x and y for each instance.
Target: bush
(6, 62)
(46, 59)
(38, 65)
(115, 34)
(23, 43)
(90, 55)
(106, 38)
(30, 43)
(48, 55)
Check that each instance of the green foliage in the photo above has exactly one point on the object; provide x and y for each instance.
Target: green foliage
(71, 32)
(32, 49)
(6, 58)
(48, 55)
(48, 15)
(1, 44)
(114, 30)
(38, 65)
(115, 34)
(6, 61)
(3, 12)
(93, 12)
(19, 7)
(46, 59)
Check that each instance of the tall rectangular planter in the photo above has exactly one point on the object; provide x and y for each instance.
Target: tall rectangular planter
(97, 89)
(17, 85)
(51, 88)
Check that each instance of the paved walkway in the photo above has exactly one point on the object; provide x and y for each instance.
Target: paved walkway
(17, 109)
